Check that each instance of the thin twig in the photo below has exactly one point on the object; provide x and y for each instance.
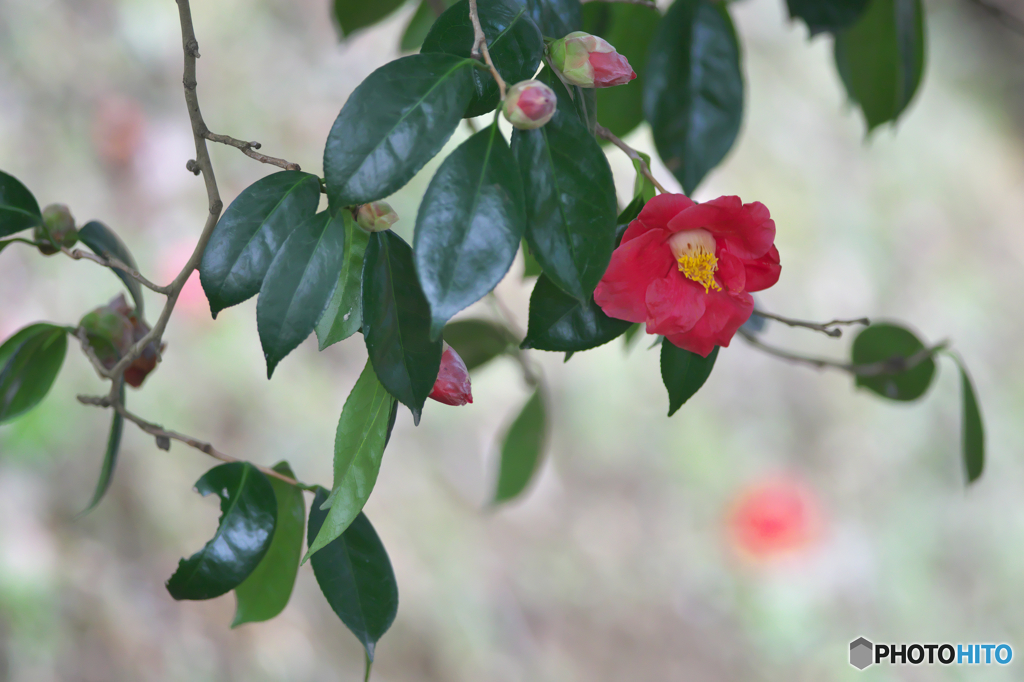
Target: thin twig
(606, 134)
(480, 47)
(162, 434)
(1007, 19)
(894, 365)
(530, 376)
(114, 263)
(828, 328)
(645, 3)
(248, 148)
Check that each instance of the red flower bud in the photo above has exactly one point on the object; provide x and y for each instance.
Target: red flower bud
(529, 104)
(112, 330)
(589, 61)
(57, 230)
(452, 384)
(376, 216)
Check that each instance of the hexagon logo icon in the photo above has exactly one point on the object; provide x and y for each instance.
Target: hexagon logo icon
(861, 651)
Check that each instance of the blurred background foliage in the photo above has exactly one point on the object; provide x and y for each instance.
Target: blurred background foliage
(641, 551)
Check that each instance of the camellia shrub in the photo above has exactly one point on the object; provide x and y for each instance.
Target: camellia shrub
(571, 80)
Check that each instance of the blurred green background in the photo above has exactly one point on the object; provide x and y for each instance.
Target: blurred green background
(619, 563)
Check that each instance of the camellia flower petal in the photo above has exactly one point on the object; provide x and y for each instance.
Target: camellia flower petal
(529, 104)
(589, 61)
(452, 384)
(687, 269)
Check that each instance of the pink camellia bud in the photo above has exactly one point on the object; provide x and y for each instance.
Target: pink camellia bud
(589, 61)
(376, 216)
(452, 384)
(529, 105)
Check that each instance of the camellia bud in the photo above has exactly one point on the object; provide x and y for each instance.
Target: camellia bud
(57, 230)
(589, 61)
(111, 331)
(529, 105)
(452, 384)
(376, 216)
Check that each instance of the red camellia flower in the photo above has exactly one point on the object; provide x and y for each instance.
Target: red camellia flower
(686, 269)
(452, 384)
(774, 518)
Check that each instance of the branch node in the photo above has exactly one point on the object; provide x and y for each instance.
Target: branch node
(192, 47)
(163, 442)
(192, 167)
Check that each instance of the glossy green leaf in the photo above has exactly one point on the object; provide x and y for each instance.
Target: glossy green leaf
(683, 373)
(628, 215)
(642, 186)
(522, 449)
(556, 18)
(558, 322)
(251, 232)
(885, 342)
(419, 25)
(477, 341)
(109, 457)
(18, 208)
(104, 242)
(29, 363)
(299, 284)
(393, 123)
(513, 41)
(531, 268)
(266, 591)
(396, 322)
(358, 450)
(630, 28)
(344, 314)
(827, 15)
(469, 225)
(244, 533)
(973, 430)
(570, 199)
(693, 93)
(355, 576)
(352, 15)
(881, 58)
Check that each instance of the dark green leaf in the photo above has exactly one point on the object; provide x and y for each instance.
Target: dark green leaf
(477, 341)
(396, 322)
(881, 58)
(629, 214)
(358, 449)
(355, 576)
(18, 208)
(299, 284)
(469, 225)
(632, 334)
(556, 18)
(522, 449)
(29, 363)
(105, 242)
(885, 342)
(248, 516)
(630, 29)
(266, 591)
(827, 15)
(559, 322)
(973, 439)
(352, 15)
(344, 314)
(110, 458)
(683, 373)
(419, 26)
(693, 94)
(251, 232)
(570, 199)
(394, 122)
(513, 41)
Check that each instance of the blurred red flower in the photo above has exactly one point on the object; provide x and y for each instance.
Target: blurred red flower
(686, 269)
(452, 385)
(773, 518)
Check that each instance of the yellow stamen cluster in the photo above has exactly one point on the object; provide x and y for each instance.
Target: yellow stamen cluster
(695, 253)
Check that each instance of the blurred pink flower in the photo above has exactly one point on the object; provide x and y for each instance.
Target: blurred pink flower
(192, 300)
(774, 517)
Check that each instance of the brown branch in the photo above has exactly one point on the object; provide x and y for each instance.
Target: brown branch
(248, 148)
(480, 47)
(1006, 18)
(114, 263)
(606, 134)
(894, 365)
(828, 328)
(163, 438)
(644, 3)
